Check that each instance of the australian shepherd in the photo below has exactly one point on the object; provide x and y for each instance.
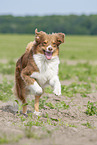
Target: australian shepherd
(38, 67)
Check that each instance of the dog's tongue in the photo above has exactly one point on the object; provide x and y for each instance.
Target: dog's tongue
(48, 55)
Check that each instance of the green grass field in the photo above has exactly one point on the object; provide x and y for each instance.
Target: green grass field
(75, 47)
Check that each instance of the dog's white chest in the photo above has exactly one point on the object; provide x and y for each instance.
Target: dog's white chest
(47, 69)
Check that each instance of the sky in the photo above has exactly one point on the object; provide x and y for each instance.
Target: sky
(49, 7)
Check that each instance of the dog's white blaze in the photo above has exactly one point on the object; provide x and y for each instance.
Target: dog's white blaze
(48, 72)
(48, 47)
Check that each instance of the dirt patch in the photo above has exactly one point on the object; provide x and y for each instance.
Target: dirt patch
(71, 124)
(75, 62)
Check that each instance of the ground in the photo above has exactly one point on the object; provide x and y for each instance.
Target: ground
(63, 119)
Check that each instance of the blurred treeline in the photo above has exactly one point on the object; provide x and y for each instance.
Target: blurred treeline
(71, 24)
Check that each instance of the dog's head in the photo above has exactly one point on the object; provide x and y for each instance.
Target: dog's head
(48, 44)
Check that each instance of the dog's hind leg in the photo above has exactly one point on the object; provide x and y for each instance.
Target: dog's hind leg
(36, 105)
(23, 98)
(21, 95)
(24, 103)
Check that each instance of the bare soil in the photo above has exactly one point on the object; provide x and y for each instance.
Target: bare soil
(70, 130)
(72, 133)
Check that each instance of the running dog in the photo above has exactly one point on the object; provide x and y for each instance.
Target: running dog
(38, 67)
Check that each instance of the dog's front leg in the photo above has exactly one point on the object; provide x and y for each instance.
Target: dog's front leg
(55, 83)
(30, 82)
(35, 89)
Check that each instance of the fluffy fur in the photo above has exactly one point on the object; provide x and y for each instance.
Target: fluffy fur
(38, 67)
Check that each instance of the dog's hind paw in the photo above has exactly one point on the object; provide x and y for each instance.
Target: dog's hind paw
(37, 113)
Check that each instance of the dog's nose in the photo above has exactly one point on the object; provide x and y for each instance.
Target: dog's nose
(50, 48)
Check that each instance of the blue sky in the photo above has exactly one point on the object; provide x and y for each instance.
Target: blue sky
(49, 7)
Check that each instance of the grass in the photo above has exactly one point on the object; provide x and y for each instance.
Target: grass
(74, 88)
(13, 46)
(87, 125)
(4, 139)
(7, 68)
(81, 72)
(83, 88)
(31, 121)
(91, 108)
(79, 47)
(6, 90)
(43, 103)
(75, 47)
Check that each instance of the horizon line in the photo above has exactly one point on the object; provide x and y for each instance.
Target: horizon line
(40, 15)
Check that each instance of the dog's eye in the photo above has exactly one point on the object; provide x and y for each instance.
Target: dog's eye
(45, 42)
(59, 41)
(54, 44)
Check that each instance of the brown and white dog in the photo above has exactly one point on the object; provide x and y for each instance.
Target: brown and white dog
(38, 67)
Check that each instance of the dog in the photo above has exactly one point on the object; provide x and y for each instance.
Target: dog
(38, 67)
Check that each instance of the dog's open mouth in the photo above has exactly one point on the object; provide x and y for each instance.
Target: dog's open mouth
(48, 54)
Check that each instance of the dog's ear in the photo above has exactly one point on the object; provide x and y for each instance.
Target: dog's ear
(39, 36)
(60, 38)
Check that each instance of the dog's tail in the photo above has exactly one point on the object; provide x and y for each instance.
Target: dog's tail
(17, 90)
(30, 46)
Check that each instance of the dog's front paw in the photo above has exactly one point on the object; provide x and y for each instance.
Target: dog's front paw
(57, 91)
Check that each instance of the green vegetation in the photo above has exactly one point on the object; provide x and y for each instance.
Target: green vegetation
(87, 125)
(75, 88)
(13, 46)
(4, 139)
(31, 121)
(71, 125)
(44, 103)
(71, 24)
(74, 48)
(61, 105)
(84, 72)
(91, 108)
(7, 68)
(6, 90)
